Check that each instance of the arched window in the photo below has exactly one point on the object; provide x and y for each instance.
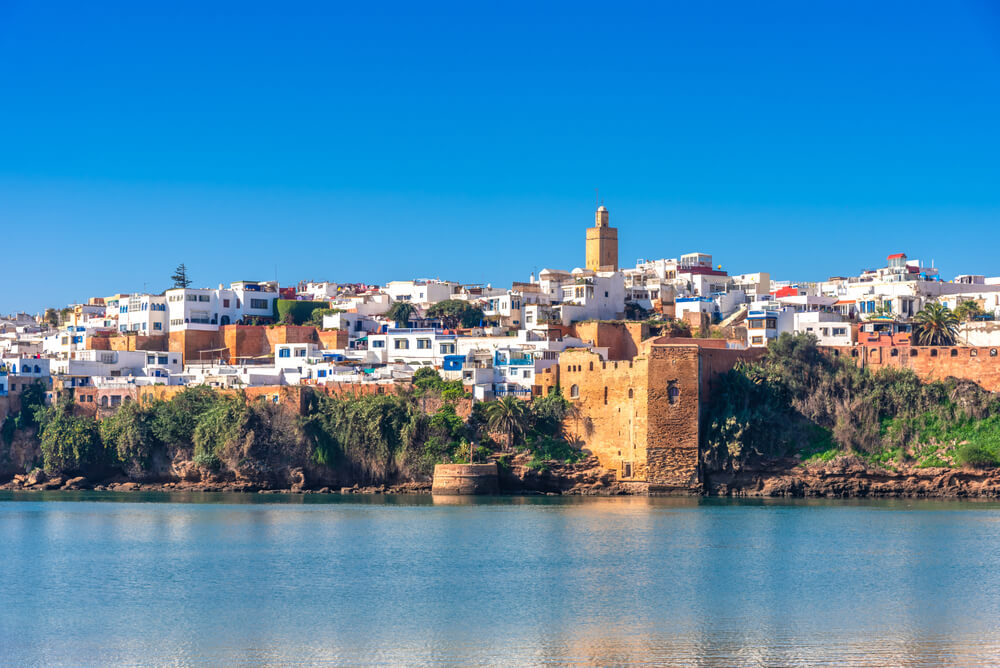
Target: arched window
(993, 352)
(104, 400)
(591, 366)
(673, 392)
(973, 353)
(630, 393)
(574, 392)
(38, 369)
(605, 395)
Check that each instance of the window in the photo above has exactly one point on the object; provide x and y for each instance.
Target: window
(973, 353)
(447, 348)
(893, 353)
(423, 344)
(158, 326)
(192, 298)
(954, 352)
(574, 392)
(284, 352)
(630, 393)
(378, 344)
(203, 298)
(321, 373)
(161, 359)
(757, 340)
(225, 303)
(933, 352)
(258, 303)
(673, 393)
(526, 373)
(400, 344)
(300, 352)
(150, 359)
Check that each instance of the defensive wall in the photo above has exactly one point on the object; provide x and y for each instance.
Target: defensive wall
(978, 364)
(641, 417)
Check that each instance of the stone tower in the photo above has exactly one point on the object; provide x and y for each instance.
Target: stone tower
(602, 243)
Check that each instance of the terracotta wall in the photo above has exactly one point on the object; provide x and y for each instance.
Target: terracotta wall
(978, 364)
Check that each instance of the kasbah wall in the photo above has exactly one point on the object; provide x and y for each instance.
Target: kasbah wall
(978, 364)
(641, 417)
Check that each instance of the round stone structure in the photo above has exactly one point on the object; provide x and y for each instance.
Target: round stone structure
(465, 479)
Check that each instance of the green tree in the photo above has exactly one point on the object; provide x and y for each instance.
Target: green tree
(180, 277)
(51, 317)
(455, 312)
(937, 325)
(967, 311)
(400, 313)
(69, 443)
(127, 434)
(509, 416)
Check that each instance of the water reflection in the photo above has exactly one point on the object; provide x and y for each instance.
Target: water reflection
(277, 579)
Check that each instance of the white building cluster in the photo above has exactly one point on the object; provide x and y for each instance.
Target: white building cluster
(511, 334)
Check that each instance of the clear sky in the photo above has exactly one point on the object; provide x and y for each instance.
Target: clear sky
(373, 141)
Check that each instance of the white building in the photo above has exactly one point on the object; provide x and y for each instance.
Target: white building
(143, 314)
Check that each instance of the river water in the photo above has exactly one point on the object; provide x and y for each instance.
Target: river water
(208, 579)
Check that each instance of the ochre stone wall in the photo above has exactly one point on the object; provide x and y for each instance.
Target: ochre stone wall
(641, 417)
(674, 408)
(978, 364)
(332, 339)
(610, 409)
(622, 339)
(465, 479)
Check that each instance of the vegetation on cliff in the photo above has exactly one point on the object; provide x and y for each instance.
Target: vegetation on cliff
(797, 401)
(368, 439)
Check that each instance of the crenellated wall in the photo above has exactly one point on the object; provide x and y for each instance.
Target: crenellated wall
(981, 365)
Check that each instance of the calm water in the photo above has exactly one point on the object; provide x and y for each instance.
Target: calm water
(96, 578)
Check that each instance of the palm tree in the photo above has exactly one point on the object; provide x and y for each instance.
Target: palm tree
(400, 313)
(936, 326)
(967, 310)
(509, 416)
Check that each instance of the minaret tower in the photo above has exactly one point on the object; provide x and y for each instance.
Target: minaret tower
(602, 243)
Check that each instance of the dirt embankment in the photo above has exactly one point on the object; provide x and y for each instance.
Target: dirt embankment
(849, 477)
(845, 477)
(179, 473)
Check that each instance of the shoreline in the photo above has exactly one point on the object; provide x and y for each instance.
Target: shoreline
(847, 478)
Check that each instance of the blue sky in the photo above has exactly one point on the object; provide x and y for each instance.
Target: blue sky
(378, 141)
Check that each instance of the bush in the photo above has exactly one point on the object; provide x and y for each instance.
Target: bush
(294, 312)
(69, 444)
(976, 456)
(797, 401)
(128, 437)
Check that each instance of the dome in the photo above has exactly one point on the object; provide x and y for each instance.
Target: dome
(602, 208)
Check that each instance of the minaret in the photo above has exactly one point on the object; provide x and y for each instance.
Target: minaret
(602, 243)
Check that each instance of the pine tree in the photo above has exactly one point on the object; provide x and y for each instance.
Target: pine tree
(180, 277)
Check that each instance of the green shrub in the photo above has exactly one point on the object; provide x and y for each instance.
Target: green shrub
(977, 456)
